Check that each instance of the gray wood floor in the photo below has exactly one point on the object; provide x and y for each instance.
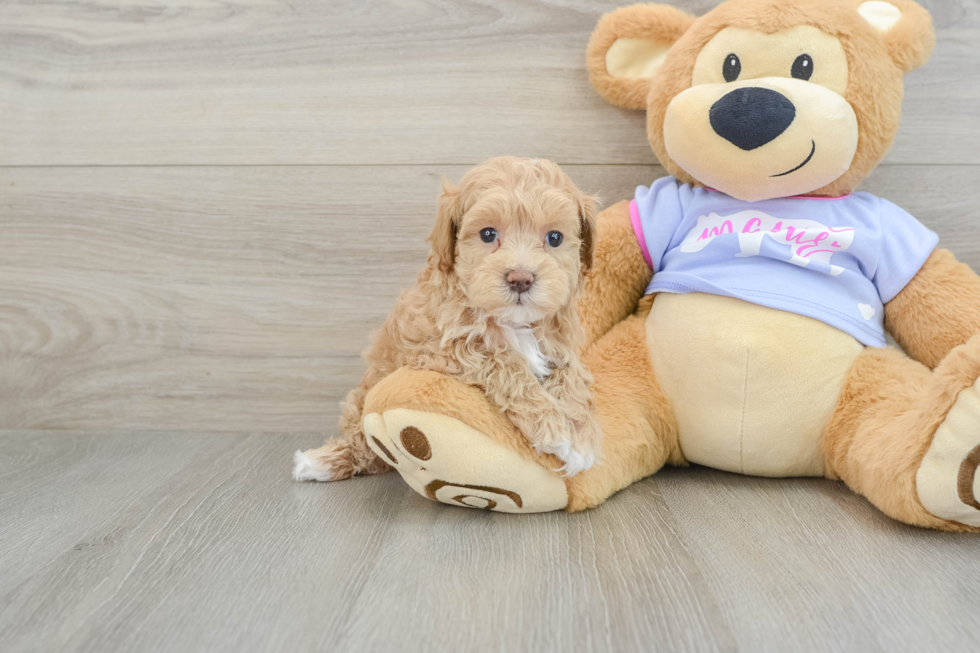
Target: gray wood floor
(204, 209)
(184, 542)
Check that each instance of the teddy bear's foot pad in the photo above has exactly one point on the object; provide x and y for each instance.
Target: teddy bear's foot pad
(947, 480)
(445, 460)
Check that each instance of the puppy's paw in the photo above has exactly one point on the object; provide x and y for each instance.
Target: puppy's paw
(584, 452)
(577, 462)
(331, 462)
(580, 458)
(577, 457)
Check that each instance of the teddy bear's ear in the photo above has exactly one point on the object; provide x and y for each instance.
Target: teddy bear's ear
(628, 46)
(905, 27)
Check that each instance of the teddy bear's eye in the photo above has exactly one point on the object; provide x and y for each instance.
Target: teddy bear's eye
(488, 235)
(732, 68)
(803, 67)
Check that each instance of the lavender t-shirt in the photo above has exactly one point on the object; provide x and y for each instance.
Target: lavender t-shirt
(835, 260)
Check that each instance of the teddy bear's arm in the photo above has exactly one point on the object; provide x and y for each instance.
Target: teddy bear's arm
(938, 310)
(618, 277)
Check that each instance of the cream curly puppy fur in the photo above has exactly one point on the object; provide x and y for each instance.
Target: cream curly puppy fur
(494, 307)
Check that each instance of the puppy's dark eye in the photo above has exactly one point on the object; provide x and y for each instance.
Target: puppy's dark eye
(732, 68)
(555, 238)
(803, 67)
(488, 235)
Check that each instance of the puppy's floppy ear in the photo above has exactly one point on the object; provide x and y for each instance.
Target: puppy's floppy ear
(905, 27)
(628, 46)
(587, 210)
(443, 236)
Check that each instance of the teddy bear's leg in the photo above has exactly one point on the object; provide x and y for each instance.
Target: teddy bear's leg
(909, 438)
(639, 429)
(451, 444)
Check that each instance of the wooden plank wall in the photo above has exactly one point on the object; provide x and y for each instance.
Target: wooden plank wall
(205, 208)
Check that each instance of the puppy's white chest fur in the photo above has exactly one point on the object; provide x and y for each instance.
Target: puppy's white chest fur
(522, 339)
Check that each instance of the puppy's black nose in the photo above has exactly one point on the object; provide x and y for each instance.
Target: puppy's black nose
(519, 280)
(751, 117)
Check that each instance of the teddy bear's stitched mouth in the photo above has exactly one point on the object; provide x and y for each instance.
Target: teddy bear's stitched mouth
(813, 151)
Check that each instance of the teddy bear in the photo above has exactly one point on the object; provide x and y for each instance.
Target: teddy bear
(736, 309)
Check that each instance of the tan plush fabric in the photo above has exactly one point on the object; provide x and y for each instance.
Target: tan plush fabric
(715, 380)
(752, 387)
(613, 295)
(658, 24)
(470, 438)
(876, 64)
(937, 311)
(824, 135)
(636, 416)
(635, 58)
(947, 483)
(460, 465)
(884, 423)
(436, 393)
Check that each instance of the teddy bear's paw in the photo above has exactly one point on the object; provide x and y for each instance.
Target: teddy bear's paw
(445, 460)
(947, 480)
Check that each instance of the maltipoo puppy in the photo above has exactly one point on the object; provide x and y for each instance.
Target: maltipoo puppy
(494, 307)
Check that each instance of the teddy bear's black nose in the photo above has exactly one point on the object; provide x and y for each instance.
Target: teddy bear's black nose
(751, 117)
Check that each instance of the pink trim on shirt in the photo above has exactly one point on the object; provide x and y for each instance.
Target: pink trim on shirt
(819, 199)
(638, 230)
(800, 197)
